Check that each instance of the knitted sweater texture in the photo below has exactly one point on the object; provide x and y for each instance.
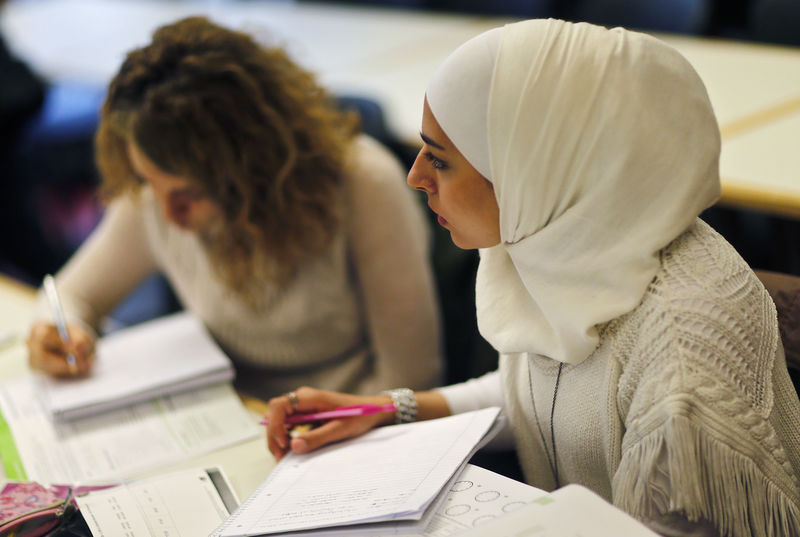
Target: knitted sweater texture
(684, 407)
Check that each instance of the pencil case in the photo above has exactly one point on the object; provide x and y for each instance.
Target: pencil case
(30, 510)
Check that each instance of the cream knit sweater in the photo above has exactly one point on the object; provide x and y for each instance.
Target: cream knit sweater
(684, 408)
(362, 317)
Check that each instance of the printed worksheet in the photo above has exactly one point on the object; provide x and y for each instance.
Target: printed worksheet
(571, 511)
(189, 503)
(117, 444)
(477, 497)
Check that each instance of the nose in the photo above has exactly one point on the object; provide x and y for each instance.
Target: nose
(419, 176)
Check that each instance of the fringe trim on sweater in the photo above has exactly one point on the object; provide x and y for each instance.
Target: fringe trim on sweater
(708, 480)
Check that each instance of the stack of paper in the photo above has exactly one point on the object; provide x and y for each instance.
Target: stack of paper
(188, 503)
(120, 443)
(159, 357)
(388, 481)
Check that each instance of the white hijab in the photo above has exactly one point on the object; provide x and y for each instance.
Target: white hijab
(602, 148)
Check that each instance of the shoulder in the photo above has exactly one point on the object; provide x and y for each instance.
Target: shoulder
(131, 206)
(370, 162)
(705, 321)
(380, 208)
(375, 181)
(139, 213)
(702, 279)
(700, 259)
(140, 205)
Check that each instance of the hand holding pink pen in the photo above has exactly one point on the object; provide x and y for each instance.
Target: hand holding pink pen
(340, 412)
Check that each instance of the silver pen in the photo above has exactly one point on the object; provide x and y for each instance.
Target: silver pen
(61, 322)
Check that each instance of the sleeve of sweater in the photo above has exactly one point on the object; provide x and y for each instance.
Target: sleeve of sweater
(107, 266)
(477, 393)
(710, 414)
(389, 245)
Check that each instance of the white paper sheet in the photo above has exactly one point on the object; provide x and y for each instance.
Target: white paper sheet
(390, 473)
(159, 357)
(476, 498)
(120, 443)
(571, 511)
(178, 504)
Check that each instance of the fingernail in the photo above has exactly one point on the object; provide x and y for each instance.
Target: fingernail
(299, 445)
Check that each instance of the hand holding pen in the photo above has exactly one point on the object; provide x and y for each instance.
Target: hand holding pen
(57, 348)
(340, 416)
(337, 413)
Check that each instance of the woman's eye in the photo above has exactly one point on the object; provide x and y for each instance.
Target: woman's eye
(435, 162)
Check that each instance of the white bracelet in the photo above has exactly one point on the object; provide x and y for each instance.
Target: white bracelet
(405, 402)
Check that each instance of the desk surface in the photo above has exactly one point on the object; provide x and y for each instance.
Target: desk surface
(246, 464)
(390, 55)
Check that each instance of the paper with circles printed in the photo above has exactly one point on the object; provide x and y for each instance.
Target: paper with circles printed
(479, 496)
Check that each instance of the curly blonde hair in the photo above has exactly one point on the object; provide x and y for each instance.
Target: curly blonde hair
(247, 126)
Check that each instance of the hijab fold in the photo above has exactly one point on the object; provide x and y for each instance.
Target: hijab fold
(602, 148)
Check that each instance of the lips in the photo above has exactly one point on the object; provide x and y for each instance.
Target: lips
(442, 221)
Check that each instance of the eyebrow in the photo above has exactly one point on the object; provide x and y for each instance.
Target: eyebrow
(430, 142)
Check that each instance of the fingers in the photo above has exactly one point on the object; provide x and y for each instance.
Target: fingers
(47, 352)
(311, 400)
(331, 431)
(303, 399)
(82, 342)
(277, 429)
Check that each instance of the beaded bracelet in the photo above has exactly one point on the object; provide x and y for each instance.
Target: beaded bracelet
(406, 403)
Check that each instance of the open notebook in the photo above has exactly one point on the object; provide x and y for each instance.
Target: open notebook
(159, 357)
(391, 480)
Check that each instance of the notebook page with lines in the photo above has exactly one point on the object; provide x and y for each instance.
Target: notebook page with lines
(389, 474)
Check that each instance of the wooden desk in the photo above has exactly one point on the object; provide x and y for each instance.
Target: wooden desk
(772, 153)
(246, 464)
(389, 55)
(755, 91)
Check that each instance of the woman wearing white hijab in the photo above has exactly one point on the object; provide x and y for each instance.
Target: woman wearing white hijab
(639, 354)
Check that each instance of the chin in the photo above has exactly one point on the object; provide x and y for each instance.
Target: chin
(472, 244)
(461, 242)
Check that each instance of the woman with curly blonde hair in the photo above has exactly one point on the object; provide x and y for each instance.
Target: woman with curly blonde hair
(289, 234)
